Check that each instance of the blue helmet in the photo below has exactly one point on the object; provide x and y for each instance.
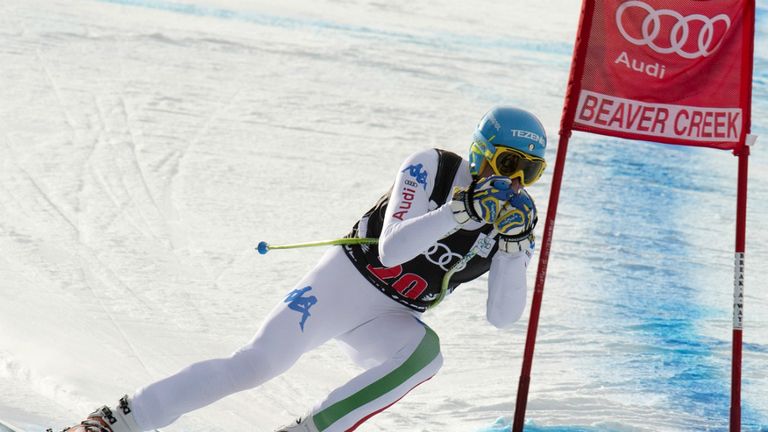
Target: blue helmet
(512, 132)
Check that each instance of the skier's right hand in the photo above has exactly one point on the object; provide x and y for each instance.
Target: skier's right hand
(482, 200)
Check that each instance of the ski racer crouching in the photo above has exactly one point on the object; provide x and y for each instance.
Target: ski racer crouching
(443, 216)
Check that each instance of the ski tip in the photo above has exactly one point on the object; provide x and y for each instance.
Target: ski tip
(263, 247)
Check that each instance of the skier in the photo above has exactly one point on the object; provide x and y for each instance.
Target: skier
(370, 298)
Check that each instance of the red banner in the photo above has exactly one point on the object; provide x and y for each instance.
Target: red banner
(669, 71)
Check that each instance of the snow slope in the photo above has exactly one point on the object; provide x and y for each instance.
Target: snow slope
(146, 146)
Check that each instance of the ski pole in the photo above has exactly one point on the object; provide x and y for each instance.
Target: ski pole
(265, 247)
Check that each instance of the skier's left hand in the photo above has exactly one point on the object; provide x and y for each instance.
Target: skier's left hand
(518, 217)
(482, 200)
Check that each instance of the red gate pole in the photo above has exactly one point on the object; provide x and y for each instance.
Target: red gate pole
(541, 275)
(738, 291)
(566, 123)
(741, 217)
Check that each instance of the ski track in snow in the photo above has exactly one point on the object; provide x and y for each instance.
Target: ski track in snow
(147, 145)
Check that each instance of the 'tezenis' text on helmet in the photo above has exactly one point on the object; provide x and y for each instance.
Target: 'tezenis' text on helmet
(529, 135)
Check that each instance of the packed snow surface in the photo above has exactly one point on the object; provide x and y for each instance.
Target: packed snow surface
(147, 146)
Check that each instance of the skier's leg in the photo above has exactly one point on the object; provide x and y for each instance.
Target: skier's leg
(320, 308)
(401, 351)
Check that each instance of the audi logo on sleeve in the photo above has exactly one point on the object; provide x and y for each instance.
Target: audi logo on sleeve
(667, 31)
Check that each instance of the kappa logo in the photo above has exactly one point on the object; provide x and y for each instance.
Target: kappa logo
(416, 172)
(690, 37)
(296, 301)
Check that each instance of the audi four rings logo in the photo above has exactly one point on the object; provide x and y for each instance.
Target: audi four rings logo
(683, 41)
(446, 255)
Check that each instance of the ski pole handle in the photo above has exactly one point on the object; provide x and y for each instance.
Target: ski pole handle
(265, 247)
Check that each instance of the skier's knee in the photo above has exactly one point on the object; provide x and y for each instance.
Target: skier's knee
(257, 365)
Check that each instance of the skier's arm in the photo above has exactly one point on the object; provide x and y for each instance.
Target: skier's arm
(507, 287)
(410, 228)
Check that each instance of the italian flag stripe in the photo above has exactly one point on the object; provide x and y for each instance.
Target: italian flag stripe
(428, 349)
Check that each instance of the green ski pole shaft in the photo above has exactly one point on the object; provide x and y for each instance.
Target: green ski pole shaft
(265, 247)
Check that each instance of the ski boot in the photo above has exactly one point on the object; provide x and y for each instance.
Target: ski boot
(106, 420)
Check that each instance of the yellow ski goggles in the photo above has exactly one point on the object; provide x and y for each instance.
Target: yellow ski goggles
(508, 162)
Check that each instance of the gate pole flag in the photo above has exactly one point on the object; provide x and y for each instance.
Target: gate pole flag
(675, 72)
